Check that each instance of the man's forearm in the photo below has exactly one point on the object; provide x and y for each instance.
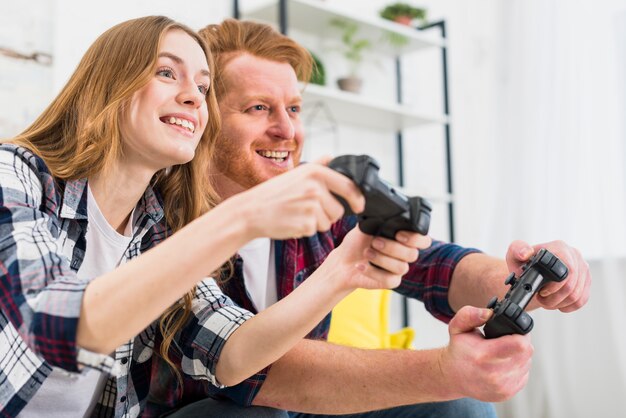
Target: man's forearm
(322, 378)
(476, 279)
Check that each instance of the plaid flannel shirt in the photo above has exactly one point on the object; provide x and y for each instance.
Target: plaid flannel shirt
(427, 280)
(42, 244)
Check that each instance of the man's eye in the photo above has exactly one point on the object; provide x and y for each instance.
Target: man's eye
(294, 109)
(258, 107)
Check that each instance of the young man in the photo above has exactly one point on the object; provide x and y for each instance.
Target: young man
(257, 89)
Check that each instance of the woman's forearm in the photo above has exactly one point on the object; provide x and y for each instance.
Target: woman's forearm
(266, 337)
(121, 303)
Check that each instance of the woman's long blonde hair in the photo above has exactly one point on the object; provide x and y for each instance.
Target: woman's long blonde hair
(79, 134)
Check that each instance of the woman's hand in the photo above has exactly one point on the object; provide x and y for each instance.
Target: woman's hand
(364, 261)
(297, 203)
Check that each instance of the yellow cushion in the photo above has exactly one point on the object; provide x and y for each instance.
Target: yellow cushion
(362, 320)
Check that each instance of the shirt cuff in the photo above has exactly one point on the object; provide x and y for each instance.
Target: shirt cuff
(98, 361)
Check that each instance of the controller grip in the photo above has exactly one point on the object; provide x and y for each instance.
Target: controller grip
(420, 211)
(508, 319)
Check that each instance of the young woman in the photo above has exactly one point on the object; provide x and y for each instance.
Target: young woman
(114, 166)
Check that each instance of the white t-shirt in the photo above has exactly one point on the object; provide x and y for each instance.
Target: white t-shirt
(65, 394)
(259, 272)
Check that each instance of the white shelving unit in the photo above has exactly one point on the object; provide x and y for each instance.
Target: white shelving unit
(312, 16)
(366, 112)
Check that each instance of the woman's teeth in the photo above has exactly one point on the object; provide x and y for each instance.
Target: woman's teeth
(182, 122)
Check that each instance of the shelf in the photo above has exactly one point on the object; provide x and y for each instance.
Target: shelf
(361, 111)
(313, 16)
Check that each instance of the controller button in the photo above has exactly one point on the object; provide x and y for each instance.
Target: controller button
(492, 302)
(546, 259)
(524, 321)
(559, 269)
(512, 310)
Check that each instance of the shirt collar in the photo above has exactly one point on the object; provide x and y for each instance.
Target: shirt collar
(74, 204)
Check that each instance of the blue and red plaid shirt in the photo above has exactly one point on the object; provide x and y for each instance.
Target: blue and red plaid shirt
(43, 222)
(427, 280)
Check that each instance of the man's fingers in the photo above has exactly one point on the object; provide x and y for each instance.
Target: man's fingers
(468, 318)
(580, 302)
(519, 252)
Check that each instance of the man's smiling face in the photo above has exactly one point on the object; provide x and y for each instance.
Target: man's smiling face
(261, 133)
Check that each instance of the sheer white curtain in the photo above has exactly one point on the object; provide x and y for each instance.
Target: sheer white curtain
(559, 113)
(547, 162)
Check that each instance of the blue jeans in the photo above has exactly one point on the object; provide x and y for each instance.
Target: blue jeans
(461, 408)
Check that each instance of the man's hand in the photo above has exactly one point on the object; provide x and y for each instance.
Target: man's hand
(487, 370)
(567, 296)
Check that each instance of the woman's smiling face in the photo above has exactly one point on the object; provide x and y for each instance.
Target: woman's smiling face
(165, 119)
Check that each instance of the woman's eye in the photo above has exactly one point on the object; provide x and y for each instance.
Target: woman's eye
(203, 89)
(166, 72)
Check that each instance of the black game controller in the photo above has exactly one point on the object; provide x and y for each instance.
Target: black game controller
(387, 211)
(509, 316)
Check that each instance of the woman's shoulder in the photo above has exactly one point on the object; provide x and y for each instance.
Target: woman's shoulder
(12, 153)
(26, 176)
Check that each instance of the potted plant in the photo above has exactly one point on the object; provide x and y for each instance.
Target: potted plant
(353, 48)
(319, 73)
(403, 13)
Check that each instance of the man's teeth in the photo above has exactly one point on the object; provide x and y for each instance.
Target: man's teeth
(281, 155)
(182, 122)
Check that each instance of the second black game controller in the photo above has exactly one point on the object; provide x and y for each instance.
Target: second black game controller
(387, 210)
(509, 316)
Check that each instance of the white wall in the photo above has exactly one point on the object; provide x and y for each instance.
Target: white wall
(78, 23)
(25, 86)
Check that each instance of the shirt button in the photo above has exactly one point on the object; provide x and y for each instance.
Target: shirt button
(124, 360)
(123, 399)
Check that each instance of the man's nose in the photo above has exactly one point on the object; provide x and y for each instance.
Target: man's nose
(282, 126)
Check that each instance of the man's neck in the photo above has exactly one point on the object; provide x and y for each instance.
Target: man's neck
(225, 187)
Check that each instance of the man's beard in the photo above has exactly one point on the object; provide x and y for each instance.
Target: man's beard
(240, 166)
(236, 164)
